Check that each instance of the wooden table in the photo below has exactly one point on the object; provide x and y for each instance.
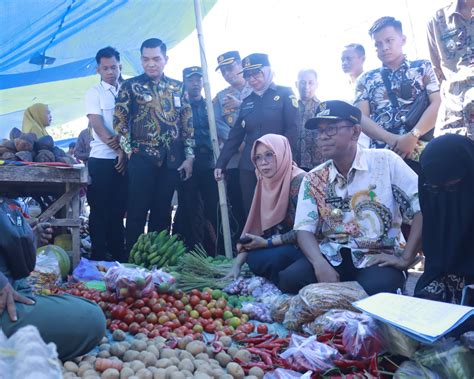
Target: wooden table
(62, 183)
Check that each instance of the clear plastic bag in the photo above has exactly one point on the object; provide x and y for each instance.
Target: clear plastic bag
(316, 299)
(46, 274)
(309, 354)
(257, 311)
(447, 358)
(134, 282)
(279, 306)
(410, 370)
(26, 349)
(92, 270)
(362, 337)
(333, 321)
(283, 373)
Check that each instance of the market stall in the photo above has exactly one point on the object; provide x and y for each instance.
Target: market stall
(62, 182)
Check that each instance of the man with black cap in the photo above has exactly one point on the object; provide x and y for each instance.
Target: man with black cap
(201, 188)
(268, 109)
(350, 209)
(226, 110)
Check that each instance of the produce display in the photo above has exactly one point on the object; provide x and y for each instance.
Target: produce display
(28, 147)
(157, 250)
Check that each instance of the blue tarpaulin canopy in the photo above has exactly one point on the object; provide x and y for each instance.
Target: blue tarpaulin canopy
(47, 47)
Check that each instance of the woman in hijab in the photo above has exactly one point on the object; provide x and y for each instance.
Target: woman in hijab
(268, 240)
(446, 188)
(36, 118)
(268, 109)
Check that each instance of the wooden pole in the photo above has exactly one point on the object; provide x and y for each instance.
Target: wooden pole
(213, 131)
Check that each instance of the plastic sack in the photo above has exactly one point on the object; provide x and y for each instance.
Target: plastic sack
(92, 270)
(161, 277)
(447, 358)
(410, 370)
(318, 298)
(283, 373)
(134, 282)
(256, 286)
(362, 337)
(46, 274)
(309, 354)
(279, 306)
(257, 311)
(25, 350)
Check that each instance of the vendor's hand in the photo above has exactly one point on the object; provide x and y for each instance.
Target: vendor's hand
(231, 102)
(405, 145)
(385, 260)
(121, 164)
(8, 296)
(325, 273)
(218, 174)
(113, 142)
(43, 232)
(256, 243)
(233, 273)
(187, 166)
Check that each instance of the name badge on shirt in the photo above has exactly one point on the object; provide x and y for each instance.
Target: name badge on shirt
(177, 101)
(333, 200)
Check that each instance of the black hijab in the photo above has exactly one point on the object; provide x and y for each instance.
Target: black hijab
(448, 217)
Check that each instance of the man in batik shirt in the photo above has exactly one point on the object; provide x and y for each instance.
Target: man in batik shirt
(307, 155)
(451, 46)
(350, 208)
(155, 125)
(407, 80)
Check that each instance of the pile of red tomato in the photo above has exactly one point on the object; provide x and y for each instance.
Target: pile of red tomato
(169, 315)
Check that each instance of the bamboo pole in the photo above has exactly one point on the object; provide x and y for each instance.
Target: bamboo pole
(213, 131)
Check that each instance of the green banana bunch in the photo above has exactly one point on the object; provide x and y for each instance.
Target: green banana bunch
(155, 250)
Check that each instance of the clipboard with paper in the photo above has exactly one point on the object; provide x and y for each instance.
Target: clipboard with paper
(424, 320)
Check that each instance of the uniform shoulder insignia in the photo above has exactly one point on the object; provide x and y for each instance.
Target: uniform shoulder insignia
(294, 100)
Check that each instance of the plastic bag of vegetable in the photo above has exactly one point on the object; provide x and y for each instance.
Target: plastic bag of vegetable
(283, 373)
(316, 299)
(279, 306)
(92, 270)
(309, 354)
(134, 282)
(362, 337)
(410, 370)
(46, 274)
(25, 350)
(448, 358)
(333, 321)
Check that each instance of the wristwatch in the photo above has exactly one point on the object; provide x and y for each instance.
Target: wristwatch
(416, 133)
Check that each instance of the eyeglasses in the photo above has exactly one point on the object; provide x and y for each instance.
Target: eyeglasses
(331, 130)
(266, 156)
(251, 73)
(452, 186)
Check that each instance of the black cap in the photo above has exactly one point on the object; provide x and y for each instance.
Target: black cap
(194, 70)
(255, 61)
(334, 110)
(227, 58)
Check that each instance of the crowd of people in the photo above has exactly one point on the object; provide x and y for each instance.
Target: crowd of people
(319, 191)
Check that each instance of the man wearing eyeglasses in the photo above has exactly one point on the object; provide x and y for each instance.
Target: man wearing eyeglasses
(399, 100)
(350, 208)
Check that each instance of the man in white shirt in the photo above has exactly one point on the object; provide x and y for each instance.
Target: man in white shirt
(107, 193)
(351, 207)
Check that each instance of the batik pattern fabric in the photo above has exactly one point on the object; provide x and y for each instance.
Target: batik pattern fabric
(407, 82)
(447, 288)
(154, 118)
(363, 211)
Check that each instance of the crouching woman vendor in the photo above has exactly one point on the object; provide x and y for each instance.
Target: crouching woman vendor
(268, 242)
(74, 324)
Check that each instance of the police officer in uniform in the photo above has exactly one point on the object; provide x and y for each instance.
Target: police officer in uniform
(226, 110)
(268, 109)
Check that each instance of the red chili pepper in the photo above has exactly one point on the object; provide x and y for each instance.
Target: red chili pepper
(257, 338)
(266, 357)
(325, 337)
(373, 366)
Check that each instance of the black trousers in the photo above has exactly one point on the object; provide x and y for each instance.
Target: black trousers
(248, 181)
(107, 198)
(290, 270)
(198, 202)
(234, 199)
(150, 188)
